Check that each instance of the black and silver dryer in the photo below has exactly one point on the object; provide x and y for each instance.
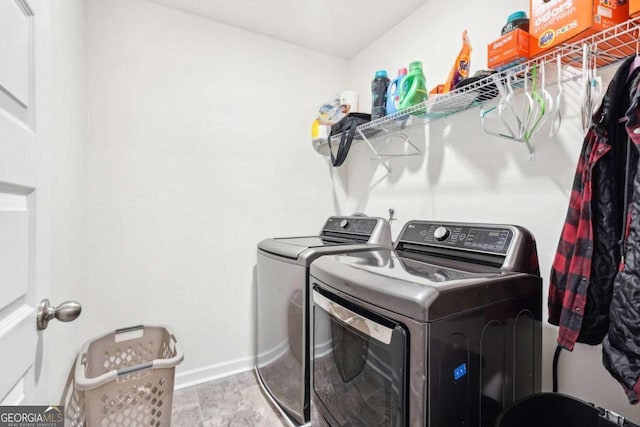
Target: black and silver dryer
(283, 326)
(442, 331)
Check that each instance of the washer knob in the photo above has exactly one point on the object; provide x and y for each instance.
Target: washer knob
(344, 223)
(441, 233)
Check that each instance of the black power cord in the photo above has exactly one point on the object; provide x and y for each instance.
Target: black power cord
(556, 356)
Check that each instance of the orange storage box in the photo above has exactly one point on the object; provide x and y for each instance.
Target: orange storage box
(557, 21)
(510, 49)
(634, 8)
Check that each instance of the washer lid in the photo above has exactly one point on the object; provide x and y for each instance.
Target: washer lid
(292, 247)
(424, 291)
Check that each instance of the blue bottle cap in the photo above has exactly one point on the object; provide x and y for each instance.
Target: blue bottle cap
(381, 73)
(517, 15)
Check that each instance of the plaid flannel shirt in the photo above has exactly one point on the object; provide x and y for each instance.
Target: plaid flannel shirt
(571, 270)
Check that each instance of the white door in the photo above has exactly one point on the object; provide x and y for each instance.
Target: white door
(24, 257)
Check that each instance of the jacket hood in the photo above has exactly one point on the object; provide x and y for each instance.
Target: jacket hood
(607, 110)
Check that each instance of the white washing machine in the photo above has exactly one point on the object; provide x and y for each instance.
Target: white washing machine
(284, 328)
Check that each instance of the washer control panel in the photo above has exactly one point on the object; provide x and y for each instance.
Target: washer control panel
(352, 225)
(470, 237)
(441, 233)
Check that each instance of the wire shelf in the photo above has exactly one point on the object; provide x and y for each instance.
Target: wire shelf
(605, 48)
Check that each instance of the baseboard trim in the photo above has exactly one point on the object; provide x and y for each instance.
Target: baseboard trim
(213, 372)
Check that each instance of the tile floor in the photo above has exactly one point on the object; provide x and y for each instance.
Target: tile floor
(228, 402)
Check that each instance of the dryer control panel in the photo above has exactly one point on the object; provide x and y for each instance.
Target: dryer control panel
(469, 237)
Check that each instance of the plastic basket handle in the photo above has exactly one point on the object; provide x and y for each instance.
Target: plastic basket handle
(135, 368)
(130, 333)
(129, 329)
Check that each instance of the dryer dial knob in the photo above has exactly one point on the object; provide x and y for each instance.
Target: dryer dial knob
(441, 233)
(344, 223)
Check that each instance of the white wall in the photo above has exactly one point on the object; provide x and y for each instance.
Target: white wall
(66, 83)
(197, 148)
(467, 175)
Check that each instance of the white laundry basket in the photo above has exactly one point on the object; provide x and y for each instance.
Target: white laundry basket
(125, 378)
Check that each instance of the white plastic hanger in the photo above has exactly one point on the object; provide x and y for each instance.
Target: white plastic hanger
(585, 89)
(557, 117)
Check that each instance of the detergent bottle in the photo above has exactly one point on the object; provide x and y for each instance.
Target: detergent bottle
(413, 89)
(393, 93)
(378, 93)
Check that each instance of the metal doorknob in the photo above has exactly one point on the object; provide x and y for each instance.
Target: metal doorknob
(65, 312)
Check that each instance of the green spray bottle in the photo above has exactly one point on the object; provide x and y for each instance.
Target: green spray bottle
(413, 89)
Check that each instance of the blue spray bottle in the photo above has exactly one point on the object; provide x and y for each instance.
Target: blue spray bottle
(393, 93)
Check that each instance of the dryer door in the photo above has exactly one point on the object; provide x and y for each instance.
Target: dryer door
(359, 364)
